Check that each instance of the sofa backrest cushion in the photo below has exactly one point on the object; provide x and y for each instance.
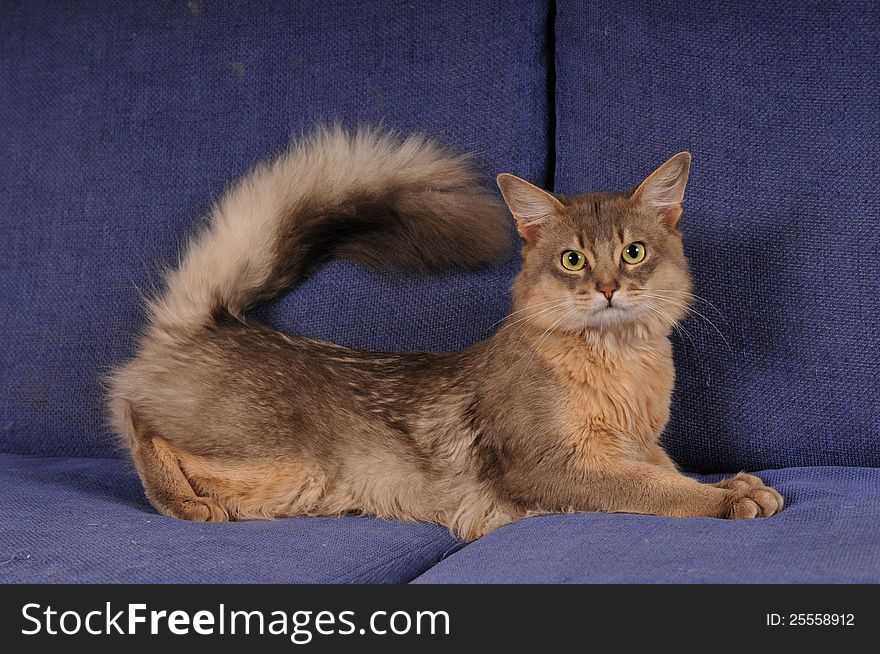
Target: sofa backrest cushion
(778, 103)
(121, 124)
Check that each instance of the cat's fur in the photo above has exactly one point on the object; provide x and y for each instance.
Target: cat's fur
(560, 410)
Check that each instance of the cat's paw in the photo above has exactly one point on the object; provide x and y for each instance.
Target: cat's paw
(750, 498)
(201, 509)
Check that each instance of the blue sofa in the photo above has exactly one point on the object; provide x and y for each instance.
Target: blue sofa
(121, 122)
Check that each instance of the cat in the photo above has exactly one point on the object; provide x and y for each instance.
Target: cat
(560, 410)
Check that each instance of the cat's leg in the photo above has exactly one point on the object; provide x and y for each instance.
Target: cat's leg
(166, 486)
(657, 456)
(633, 487)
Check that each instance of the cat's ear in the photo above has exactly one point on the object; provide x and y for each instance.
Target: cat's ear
(663, 190)
(531, 207)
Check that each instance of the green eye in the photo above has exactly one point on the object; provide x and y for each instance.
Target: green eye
(573, 260)
(634, 252)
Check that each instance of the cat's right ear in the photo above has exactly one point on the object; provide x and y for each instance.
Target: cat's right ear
(531, 207)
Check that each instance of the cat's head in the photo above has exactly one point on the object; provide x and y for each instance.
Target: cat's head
(602, 261)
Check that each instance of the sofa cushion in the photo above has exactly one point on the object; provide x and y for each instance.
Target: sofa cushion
(828, 533)
(81, 520)
(778, 104)
(122, 123)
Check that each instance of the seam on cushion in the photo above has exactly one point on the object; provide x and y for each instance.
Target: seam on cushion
(539, 106)
(76, 457)
(110, 453)
(417, 573)
(550, 47)
(447, 553)
(460, 545)
(549, 50)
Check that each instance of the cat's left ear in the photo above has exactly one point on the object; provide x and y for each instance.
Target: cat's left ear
(663, 190)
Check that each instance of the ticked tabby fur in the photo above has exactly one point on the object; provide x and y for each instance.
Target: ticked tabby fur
(560, 410)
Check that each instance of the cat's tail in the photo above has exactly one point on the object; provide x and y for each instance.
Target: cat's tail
(369, 196)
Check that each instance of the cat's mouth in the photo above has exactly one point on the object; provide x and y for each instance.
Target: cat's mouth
(607, 308)
(607, 314)
(612, 304)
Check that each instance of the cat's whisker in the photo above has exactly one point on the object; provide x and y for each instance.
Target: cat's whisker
(524, 332)
(678, 329)
(714, 326)
(528, 308)
(521, 325)
(523, 329)
(691, 310)
(667, 300)
(522, 320)
(672, 301)
(547, 333)
(552, 328)
(559, 303)
(691, 295)
(676, 326)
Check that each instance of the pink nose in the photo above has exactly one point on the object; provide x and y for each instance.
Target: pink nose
(607, 289)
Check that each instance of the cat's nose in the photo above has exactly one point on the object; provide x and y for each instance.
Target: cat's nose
(607, 288)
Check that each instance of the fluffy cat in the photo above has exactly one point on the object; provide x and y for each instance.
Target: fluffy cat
(560, 410)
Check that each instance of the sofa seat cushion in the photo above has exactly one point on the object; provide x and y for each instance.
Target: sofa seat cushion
(828, 533)
(75, 520)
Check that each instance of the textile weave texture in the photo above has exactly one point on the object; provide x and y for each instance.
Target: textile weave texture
(120, 124)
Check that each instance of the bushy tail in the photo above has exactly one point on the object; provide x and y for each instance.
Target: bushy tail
(368, 196)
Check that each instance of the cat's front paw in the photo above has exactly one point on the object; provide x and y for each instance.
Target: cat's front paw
(749, 497)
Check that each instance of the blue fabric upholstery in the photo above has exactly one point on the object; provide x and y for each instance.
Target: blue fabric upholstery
(122, 122)
(86, 520)
(777, 101)
(829, 533)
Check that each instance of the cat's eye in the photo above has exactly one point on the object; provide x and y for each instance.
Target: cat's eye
(634, 252)
(573, 260)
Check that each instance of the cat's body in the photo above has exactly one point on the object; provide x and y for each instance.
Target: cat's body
(228, 419)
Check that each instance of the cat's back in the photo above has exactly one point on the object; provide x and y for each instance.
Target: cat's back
(243, 387)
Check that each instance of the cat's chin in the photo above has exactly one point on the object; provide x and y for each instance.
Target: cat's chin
(616, 318)
(607, 317)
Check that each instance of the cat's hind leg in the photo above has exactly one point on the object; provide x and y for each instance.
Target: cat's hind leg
(167, 488)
